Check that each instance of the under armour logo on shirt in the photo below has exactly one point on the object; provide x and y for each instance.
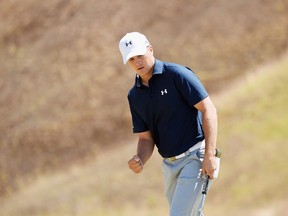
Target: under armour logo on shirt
(128, 44)
(164, 92)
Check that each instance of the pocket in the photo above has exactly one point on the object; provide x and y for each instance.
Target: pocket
(190, 171)
(200, 154)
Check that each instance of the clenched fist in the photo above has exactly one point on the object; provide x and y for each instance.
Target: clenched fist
(135, 164)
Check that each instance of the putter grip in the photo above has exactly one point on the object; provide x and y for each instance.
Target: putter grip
(205, 185)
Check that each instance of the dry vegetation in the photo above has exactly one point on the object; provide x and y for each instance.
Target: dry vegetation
(252, 171)
(63, 86)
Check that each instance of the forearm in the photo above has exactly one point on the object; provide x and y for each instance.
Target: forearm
(145, 149)
(210, 128)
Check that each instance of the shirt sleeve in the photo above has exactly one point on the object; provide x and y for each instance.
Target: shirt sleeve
(190, 86)
(138, 124)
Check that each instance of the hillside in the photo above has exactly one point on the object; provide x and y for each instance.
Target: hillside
(252, 171)
(63, 85)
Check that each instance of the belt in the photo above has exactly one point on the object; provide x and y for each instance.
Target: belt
(193, 148)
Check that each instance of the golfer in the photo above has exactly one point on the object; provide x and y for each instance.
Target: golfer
(171, 109)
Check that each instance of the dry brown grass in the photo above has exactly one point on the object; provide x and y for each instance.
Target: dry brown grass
(63, 86)
(252, 171)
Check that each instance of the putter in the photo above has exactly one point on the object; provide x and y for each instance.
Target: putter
(204, 193)
(206, 182)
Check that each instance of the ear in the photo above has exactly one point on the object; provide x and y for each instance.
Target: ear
(150, 48)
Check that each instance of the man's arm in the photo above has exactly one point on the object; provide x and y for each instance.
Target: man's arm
(210, 127)
(144, 151)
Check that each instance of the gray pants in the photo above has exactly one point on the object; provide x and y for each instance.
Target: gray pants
(183, 183)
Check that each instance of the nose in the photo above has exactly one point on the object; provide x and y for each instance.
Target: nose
(138, 61)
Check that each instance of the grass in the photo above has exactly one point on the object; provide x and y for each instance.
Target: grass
(63, 93)
(254, 136)
(253, 133)
(63, 86)
(103, 187)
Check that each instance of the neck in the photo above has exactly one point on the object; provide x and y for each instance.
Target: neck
(146, 77)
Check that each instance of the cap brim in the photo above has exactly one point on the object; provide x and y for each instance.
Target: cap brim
(134, 53)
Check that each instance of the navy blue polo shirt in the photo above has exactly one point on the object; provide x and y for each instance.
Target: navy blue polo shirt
(166, 108)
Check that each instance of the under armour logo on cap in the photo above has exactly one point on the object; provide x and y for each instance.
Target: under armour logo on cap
(129, 43)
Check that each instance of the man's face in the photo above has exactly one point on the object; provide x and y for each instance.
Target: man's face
(143, 64)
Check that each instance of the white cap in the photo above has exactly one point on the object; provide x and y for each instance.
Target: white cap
(133, 44)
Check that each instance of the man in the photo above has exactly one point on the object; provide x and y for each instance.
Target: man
(171, 109)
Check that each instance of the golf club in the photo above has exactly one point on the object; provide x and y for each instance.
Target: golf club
(206, 182)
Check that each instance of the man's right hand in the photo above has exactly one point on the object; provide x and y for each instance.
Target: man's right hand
(135, 164)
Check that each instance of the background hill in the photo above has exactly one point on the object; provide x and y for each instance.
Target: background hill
(63, 85)
(252, 181)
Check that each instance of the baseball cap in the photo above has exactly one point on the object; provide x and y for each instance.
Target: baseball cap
(133, 44)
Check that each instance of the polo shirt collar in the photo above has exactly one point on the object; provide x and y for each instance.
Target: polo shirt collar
(158, 69)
